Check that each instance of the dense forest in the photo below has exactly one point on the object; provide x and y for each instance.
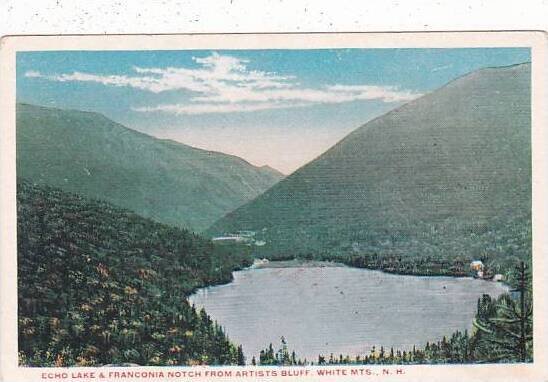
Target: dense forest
(101, 285)
(502, 332)
(499, 245)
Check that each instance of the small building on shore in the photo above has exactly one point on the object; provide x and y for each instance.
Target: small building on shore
(233, 238)
(498, 277)
(476, 265)
(478, 268)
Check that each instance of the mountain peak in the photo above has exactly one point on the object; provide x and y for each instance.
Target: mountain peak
(271, 170)
(423, 178)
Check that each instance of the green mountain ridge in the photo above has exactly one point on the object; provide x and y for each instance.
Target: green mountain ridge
(447, 175)
(99, 285)
(86, 153)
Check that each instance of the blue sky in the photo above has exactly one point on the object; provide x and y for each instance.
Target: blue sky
(277, 107)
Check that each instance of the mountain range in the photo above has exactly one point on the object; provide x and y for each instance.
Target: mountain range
(87, 153)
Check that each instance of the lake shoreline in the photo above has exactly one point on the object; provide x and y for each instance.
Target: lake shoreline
(295, 263)
(304, 263)
(318, 291)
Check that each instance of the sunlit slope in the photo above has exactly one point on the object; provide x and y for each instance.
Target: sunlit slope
(170, 182)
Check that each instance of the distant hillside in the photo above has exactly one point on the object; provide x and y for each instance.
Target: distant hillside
(447, 175)
(101, 285)
(167, 181)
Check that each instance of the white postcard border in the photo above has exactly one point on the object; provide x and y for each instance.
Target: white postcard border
(537, 41)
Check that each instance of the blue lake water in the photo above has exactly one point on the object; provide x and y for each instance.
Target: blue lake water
(323, 310)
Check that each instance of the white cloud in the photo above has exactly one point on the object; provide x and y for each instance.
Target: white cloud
(33, 74)
(438, 68)
(144, 83)
(384, 93)
(224, 84)
(208, 108)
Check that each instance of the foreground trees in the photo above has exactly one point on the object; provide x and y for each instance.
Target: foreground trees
(505, 326)
(100, 285)
(281, 357)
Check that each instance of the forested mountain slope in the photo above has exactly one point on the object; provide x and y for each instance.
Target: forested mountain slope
(101, 285)
(87, 153)
(446, 176)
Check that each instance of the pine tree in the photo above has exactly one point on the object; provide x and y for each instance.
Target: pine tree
(270, 360)
(240, 356)
(321, 360)
(505, 326)
(283, 353)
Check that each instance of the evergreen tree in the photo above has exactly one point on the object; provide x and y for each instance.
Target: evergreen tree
(321, 360)
(505, 326)
(241, 357)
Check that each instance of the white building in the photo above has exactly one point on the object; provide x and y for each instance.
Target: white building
(237, 239)
(476, 265)
(498, 277)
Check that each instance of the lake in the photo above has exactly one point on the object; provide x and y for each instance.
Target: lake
(323, 309)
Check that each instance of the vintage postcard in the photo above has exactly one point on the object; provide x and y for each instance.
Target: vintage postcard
(255, 207)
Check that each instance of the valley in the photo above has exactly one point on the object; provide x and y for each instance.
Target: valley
(167, 181)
